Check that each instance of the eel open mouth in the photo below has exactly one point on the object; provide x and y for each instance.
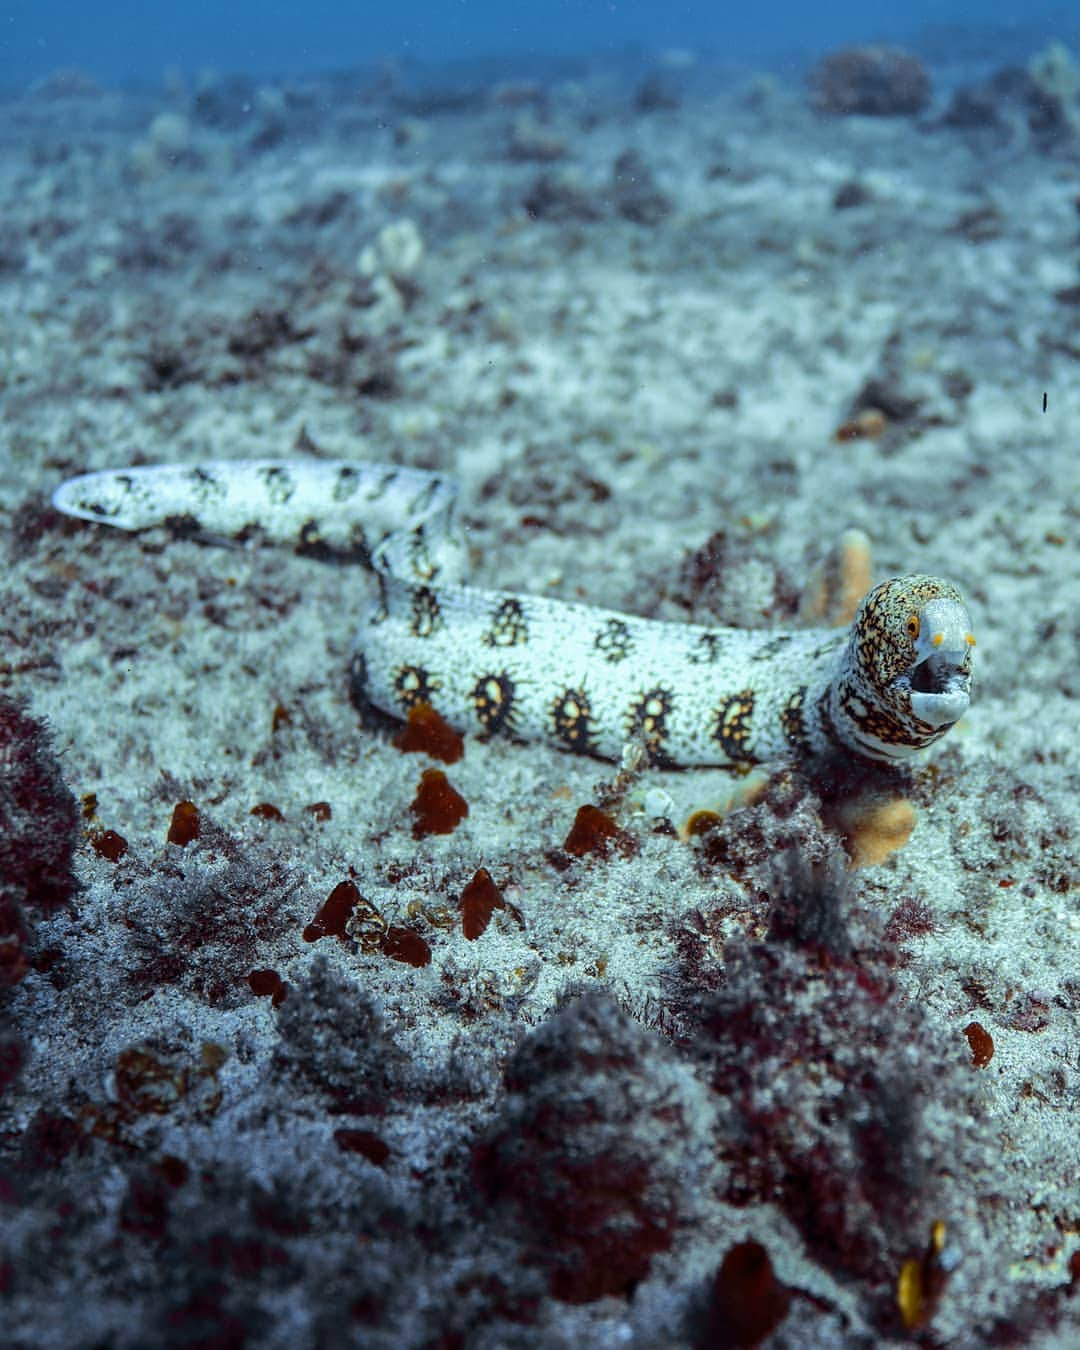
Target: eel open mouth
(940, 687)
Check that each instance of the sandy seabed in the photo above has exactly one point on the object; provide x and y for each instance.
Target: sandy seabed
(672, 1088)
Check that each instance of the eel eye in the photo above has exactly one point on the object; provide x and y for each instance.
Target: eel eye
(913, 626)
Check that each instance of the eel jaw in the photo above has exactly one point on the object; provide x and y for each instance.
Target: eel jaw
(940, 688)
(939, 681)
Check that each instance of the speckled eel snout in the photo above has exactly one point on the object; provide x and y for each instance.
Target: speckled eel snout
(585, 679)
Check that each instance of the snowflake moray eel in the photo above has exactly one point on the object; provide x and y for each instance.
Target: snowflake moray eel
(585, 679)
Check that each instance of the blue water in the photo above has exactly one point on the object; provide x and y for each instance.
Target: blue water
(118, 40)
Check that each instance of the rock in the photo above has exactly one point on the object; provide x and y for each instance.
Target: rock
(877, 81)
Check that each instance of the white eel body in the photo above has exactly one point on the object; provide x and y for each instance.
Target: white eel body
(585, 679)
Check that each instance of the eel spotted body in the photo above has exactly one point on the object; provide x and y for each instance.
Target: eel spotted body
(585, 679)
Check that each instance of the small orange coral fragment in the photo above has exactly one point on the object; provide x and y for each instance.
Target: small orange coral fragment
(868, 424)
(874, 829)
(479, 900)
(922, 1280)
(185, 824)
(320, 810)
(267, 810)
(425, 732)
(438, 807)
(837, 585)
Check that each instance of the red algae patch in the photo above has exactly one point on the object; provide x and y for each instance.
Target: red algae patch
(479, 900)
(426, 732)
(185, 824)
(592, 834)
(364, 1142)
(268, 984)
(334, 914)
(109, 845)
(402, 944)
(747, 1301)
(438, 807)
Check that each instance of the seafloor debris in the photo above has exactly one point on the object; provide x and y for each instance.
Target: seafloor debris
(438, 807)
(268, 984)
(981, 1043)
(479, 900)
(334, 913)
(593, 831)
(746, 1302)
(426, 732)
(184, 826)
